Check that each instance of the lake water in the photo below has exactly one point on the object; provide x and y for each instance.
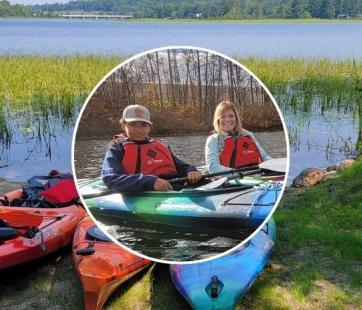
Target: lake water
(64, 37)
(35, 143)
(89, 154)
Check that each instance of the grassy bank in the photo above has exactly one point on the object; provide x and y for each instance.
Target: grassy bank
(25, 78)
(316, 262)
(317, 259)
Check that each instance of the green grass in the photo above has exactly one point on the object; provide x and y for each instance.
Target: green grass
(62, 83)
(317, 258)
(51, 79)
(48, 79)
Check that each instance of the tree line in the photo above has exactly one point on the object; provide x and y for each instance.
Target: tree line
(8, 10)
(182, 88)
(214, 8)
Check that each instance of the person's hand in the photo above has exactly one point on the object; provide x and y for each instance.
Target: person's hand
(194, 176)
(162, 185)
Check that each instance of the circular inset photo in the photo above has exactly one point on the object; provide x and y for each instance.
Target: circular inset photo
(180, 154)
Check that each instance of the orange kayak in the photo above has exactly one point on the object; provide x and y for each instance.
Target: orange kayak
(101, 264)
(30, 233)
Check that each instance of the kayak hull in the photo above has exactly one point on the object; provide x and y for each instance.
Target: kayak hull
(55, 228)
(229, 208)
(235, 274)
(103, 271)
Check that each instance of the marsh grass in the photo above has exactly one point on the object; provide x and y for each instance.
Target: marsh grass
(59, 85)
(297, 82)
(58, 80)
(52, 80)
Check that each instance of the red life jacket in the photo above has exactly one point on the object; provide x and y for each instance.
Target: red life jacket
(62, 192)
(239, 151)
(152, 158)
(55, 190)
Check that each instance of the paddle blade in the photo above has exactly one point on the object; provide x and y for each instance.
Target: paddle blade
(276, 164)
(213, 184)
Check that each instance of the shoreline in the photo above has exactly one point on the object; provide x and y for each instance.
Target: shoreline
(206, 20)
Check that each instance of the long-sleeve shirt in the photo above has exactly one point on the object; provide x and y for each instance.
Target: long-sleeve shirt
(213, 148)
(114, 176)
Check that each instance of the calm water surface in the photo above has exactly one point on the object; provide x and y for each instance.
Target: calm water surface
(35, 144)
(89, 154)
(64, 37)
(174, 243)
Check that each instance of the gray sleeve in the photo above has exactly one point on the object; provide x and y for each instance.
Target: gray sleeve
(212, 155)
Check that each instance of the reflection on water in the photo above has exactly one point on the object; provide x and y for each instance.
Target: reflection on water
(174, 243)
(321, 141)
(323, 130)
(89, 154)
(35, 142)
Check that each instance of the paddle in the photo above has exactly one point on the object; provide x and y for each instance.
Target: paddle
(173, 181)
(217, 183)
(277, 165)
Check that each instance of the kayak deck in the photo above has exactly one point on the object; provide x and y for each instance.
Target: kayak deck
(231, 207)
(103, 266)
(220, 283)
(37, 232)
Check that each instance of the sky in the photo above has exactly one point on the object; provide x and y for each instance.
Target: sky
(36, 1)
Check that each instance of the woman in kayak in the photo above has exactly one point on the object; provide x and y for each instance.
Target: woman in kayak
(231, 146)
(134, 162)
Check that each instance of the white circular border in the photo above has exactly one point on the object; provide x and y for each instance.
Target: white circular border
(275, 105)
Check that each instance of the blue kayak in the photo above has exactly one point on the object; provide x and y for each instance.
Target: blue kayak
(231, 207)
(220, 283)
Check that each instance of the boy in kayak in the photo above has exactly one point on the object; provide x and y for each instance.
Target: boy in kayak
(231, 146)
(134, 162)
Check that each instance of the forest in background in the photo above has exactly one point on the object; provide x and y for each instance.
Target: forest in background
(8, 10)
(180, 86)
(228, 9)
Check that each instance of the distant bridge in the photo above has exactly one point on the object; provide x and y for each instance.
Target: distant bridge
(96, 16)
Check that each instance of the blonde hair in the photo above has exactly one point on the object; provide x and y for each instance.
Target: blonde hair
(221, 108)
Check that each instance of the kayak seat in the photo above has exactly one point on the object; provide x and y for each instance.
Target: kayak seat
(94, 233)
(3, 223)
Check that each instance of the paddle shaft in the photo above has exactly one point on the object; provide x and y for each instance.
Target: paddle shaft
(257, 168)
(237, 174)
(215, 174)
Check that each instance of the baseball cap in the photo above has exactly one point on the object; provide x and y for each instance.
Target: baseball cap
(136, 112)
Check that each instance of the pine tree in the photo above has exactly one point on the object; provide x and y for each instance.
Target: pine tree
(327, 9)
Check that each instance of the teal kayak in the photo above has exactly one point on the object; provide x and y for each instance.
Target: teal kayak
(218, 284)
(231, 207)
